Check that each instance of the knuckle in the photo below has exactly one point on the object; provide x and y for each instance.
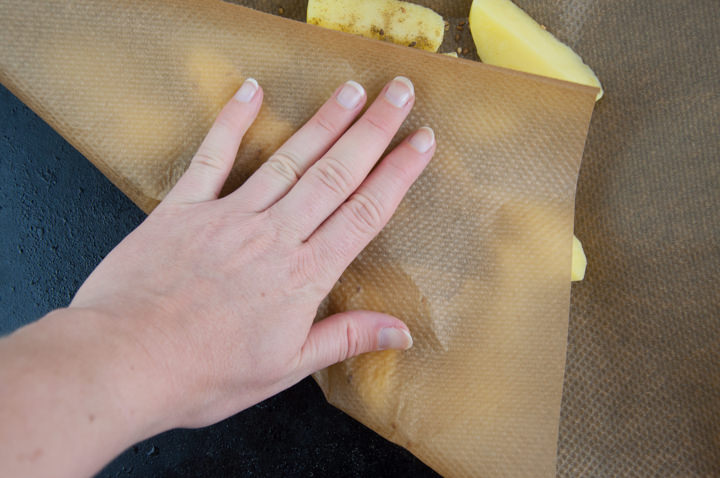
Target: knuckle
(334, 175)
(365, 213)
(286, 165)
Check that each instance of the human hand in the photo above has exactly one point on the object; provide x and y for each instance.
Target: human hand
(220, 294)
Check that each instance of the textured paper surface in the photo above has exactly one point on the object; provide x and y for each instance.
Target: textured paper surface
(477, 258)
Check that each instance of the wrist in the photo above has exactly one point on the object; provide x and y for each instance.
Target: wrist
(125, 377)
(75, 390)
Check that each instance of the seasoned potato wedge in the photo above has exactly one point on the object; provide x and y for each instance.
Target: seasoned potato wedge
(395, 21)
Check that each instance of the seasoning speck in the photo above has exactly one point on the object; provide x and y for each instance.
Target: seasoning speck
(459, 27)
(412, 44)
(281, 10)
(382, 32)
(459, 51)
(457, 37)
(465, 51)
(447, 26)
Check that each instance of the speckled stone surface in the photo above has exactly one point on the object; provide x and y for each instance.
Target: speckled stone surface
(59, 217)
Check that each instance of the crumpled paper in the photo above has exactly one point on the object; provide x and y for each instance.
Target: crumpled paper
(476, 259)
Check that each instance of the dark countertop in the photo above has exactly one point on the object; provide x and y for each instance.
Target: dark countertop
(59, 217)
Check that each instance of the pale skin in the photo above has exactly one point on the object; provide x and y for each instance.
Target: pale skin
(207, 307)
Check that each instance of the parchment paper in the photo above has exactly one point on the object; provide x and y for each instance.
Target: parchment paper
(477, 258)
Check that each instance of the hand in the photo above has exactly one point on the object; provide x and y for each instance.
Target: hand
(221, 293)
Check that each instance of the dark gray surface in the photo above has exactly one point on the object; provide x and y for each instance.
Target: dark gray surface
(59, 216)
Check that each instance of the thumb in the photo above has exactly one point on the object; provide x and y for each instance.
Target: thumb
(352, 333)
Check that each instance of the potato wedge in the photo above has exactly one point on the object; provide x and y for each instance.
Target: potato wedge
(395, 21)
(507, 36)
(579, 261)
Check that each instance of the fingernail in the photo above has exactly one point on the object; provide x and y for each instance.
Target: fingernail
(400, 91)
(422, 140)
(350, 95)
(392, 338)
(247, 91)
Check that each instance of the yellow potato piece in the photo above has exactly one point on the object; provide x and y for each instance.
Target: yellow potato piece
(507, 36)
(398, 22)
(579, 261)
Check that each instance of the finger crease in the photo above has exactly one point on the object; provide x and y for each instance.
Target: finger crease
(209, 161)
(335, 175)
(400, 174)
(327, 125)
(352, 338)
(286, 165)
(367, 213)
(378, 125)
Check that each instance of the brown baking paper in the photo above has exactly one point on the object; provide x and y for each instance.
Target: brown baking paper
(476, 259)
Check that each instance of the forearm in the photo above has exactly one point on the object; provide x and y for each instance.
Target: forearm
(75, 390)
